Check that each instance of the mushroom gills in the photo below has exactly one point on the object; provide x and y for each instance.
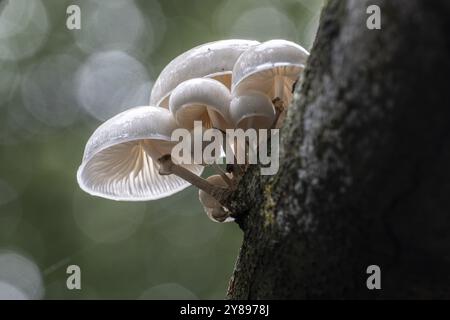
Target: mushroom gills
(127, 171)
(120, 157)
(187, 114)
(200, 99)
(224, 78)
(276, 83)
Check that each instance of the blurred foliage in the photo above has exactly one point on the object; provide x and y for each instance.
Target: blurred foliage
(49, 108)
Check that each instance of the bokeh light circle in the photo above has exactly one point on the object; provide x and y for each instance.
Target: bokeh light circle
(48, 90)
(113, 25)
(20, 278)
(24, 27)
(111, 82)
(263, 23)
(9, 292)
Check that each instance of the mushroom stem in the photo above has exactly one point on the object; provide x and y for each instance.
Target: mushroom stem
(223, 174)
(236, 169)
(279, 109)
(279, 87)
(168, 167)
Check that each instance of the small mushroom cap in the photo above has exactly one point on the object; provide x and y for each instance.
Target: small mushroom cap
(207, 200)
(260, 67)
(212, 207)
(119, 161)
(219, 214)
(214, 60)
(252, 110)
(201, 99)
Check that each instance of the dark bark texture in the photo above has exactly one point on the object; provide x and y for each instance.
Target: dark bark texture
(365, 165)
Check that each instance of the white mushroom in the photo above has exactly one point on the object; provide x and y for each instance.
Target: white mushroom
(201, 99)
(205, 100)
(120, 158)
(215, 211)
(272, 68)
(252, 110)
(213, 60)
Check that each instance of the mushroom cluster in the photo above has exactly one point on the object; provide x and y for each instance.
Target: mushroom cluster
(226, 84)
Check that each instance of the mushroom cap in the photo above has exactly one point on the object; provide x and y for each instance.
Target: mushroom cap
(219, 214)
(214, 60)
(252, 110)
(201, 99)
(262, 65)
(206, 158)
(213, 208)
(119, 161)
(206, 199)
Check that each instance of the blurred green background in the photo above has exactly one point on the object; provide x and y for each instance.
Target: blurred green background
(56, 86)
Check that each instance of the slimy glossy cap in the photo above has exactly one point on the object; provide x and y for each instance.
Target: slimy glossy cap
(270, 67)
(214, 60)
(201, 99)
(119, 161)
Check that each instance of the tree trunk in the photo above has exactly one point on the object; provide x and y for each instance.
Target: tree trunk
(365, 165)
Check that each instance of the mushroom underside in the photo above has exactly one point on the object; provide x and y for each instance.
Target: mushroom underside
(209, 117)
(256, 122)
(127, 172)
(267, 81)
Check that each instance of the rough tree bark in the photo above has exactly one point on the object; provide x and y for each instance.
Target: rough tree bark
(365, 165)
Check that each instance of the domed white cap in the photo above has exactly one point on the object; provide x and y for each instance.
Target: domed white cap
(201, 99)
(252, 110)
(270, 67)
(119, 161)
(214, 60)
